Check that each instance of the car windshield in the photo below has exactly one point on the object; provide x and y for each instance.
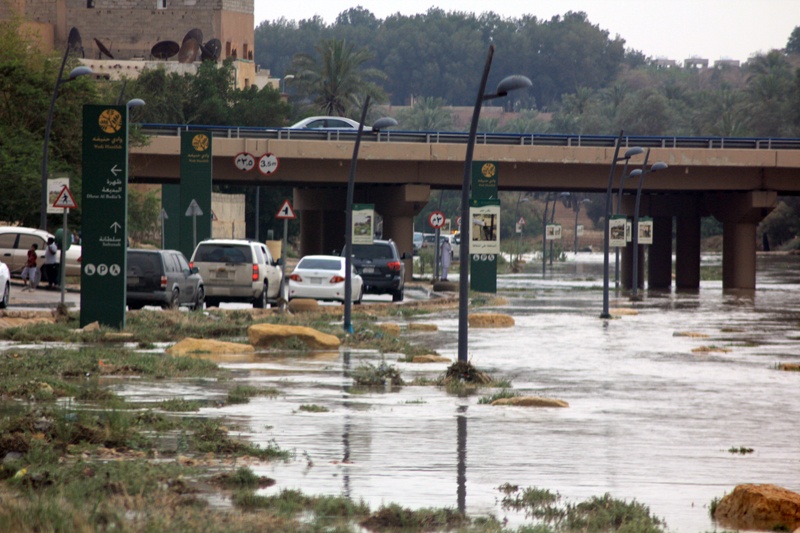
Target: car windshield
(312, 263)
(223, 253)
(373, 251)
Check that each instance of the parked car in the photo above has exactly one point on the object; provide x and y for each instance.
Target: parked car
(381, 267)
(418, 242)
(321, 277)
(163, 278)
(15, 242)
(326, 123)
(5, 285)
(236, 270)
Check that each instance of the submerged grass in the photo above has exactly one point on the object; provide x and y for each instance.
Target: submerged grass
(602, 513)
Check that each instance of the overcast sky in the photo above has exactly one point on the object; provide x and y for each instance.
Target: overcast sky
(675, 29)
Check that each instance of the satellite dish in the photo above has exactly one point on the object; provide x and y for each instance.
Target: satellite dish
(165, 49)
(74, 42)
(102, 48)
(211, 50)
(190, 47)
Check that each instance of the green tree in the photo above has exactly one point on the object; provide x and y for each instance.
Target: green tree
(336, 78)
(793, 44)
(767, 94)
(426, 114)
(27, 80)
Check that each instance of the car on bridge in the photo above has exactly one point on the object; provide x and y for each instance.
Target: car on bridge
(326, 123)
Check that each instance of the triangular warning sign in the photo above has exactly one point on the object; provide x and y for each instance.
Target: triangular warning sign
(65, 199)
(285, 211)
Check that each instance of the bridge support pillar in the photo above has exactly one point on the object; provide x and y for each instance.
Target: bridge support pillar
(659, 261)
(740, 214)
(687, 251)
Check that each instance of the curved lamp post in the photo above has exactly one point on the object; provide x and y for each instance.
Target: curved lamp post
(618, 211)
(74, 73)
(381, 123)
(506, 85)
(283, 81)
(630, 152)
(641, 173)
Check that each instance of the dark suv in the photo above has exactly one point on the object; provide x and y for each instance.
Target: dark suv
(381, 267)
(162, 277)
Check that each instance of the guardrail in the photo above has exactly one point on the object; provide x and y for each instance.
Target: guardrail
(450, 137)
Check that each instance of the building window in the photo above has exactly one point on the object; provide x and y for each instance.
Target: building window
(161, 4)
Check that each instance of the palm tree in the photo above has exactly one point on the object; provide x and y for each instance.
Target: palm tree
(427, 114)
(336, 81)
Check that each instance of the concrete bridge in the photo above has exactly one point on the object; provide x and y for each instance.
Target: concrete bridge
(737, 180)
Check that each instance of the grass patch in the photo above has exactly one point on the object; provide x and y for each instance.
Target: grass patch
(505, 393)
(368, 375)
(741, 450)
(396, 518)
(602, 513)
(313, 408)
(242, 478)
(179, 405)
(211, 437)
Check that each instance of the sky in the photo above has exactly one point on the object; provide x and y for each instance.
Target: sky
(673, 29)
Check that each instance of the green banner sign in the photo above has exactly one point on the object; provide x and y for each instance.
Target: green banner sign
(484, 227)
(104, 228)
(195, 218)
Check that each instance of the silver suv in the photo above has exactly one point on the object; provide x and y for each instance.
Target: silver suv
(236, 270)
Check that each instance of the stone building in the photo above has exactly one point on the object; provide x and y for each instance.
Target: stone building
(127, 30)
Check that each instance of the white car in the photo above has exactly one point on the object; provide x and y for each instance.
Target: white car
(15, 242)
(5, 285)
(237, 270)
(321, 277)
(326, 123)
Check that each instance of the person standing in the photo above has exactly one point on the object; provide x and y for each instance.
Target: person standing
(445, 255)
(50, 268)
(29, 272)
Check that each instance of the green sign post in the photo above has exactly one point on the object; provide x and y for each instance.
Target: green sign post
(195, 219)
(104, 228)
(483, 261)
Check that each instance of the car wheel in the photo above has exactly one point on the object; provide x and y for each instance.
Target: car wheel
(199, 299)
(397, 296)
(261, 301)
(6, 296)
(174, 300)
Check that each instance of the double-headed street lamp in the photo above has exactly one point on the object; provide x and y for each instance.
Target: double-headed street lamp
(640, 173)
(381, 123)
(630, 152)
(506, 85)
(74, 73)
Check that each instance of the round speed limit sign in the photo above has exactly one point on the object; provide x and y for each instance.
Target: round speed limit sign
(436, 220)
(268, 164)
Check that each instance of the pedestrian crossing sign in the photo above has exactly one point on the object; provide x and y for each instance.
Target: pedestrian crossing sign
(65, 199)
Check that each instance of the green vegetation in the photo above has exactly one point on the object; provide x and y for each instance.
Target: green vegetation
(504, 393)
(313, 408)
(369, 375)
(741, 450)
(242, 394)
(596, 514)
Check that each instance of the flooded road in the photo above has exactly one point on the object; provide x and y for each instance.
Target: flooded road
(649, 418)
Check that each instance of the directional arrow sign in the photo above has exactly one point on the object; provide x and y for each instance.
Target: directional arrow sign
(194, 210)
(116, 227)
(115, 170)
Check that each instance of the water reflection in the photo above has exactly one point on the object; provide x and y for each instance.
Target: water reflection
(461, 450)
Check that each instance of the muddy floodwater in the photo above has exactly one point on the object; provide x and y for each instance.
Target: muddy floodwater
(656, 401)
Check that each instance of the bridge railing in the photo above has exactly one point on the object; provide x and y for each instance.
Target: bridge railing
(455, 137)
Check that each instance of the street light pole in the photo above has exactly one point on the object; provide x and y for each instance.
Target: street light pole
(379, 124)
(618, 211)
(506, 84)
(628, 154)
(74, 73)
(641, 173)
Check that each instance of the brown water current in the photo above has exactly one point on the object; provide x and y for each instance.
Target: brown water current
(651, 417)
